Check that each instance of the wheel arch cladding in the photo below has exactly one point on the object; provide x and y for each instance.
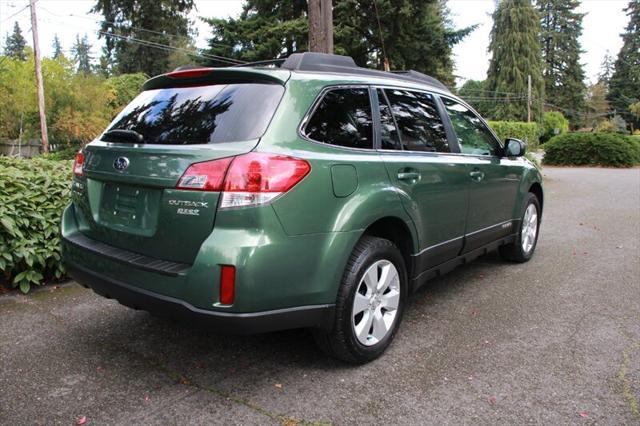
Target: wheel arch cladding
(536, 189)
(531, 182)
(397, 231)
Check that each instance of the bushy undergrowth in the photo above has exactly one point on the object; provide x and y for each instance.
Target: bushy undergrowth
(33, 193)
(526, 132)
(592, 149)
(68, 153)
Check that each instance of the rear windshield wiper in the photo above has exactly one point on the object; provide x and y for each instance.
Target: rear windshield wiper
(122, 136)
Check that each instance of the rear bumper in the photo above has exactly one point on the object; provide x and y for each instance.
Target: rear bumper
(316, 316)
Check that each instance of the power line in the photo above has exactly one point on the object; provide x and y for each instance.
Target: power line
(16, 13)
(157, 45)
(182, 37)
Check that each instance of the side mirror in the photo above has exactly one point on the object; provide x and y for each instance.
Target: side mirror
(514, 148)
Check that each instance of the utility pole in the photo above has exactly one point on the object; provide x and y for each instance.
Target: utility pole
(529, 98)
(320, 26)
(36, 57)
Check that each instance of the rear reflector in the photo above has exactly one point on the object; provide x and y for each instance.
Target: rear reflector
(227, 284)
(193, 73)
(246, 180)
(78, 164)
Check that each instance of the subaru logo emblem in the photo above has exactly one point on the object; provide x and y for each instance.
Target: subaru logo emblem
(121, 163)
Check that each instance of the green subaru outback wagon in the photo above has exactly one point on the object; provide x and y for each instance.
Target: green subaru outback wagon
(305, 192)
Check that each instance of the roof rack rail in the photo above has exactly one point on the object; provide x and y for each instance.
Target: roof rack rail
(276, 62)
(421, 78)
(312, 61)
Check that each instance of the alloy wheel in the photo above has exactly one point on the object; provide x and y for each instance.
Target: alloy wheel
(529, 228)
(376, 302)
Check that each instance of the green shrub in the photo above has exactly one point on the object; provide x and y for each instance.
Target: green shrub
(68, 153)
(592, 149)
(527, 132)
(33, 193)
(616, 124)
(553, 123)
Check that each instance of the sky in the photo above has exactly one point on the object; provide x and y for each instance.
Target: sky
(604, 22)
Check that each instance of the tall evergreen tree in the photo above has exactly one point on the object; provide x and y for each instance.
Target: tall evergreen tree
(561, 27)
(57, 47)
(81, 51)
(144, 33)
(475, 92)
(606, 69)
(597, 107)
(515, 47)
(269, 29)
(624, 86)
(15, 44)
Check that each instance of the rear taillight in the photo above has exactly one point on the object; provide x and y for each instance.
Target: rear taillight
(227, 284)
(251, 179)
(207, 176)
(258, 178)
(78, 164)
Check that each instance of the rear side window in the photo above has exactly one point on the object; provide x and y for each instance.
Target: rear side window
(201, 115)
(418, 120)
(343, 118)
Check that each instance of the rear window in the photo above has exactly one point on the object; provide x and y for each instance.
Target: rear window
(201, 115)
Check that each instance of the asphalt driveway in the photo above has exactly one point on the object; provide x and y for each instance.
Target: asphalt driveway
(556, 341)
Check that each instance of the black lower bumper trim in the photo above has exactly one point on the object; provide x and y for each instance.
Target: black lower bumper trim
(318, 316)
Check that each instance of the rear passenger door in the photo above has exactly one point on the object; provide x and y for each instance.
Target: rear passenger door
(493, 178)
(432, 183)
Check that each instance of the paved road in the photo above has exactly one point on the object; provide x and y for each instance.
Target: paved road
(555, 341)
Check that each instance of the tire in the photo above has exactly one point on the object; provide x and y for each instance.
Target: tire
(363, 330)
(521, 250)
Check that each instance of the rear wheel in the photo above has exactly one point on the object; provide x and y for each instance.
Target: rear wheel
(522, 249)
(370, 303)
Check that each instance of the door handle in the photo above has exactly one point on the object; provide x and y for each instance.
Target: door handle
(476, 175)
(408, 176)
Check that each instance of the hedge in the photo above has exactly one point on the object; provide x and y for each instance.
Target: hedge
(552, 122)
(33, 193)
(527, 132)
(592, 149)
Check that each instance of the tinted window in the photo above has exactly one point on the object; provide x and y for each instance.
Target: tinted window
(418, 120)
(343, 118)
(473, 135)
(199, 115)
(389, 138)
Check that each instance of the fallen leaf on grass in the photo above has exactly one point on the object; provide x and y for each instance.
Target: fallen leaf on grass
(99, 369)
(81, 420)
(583, 414)
(184, 380)
(492, 400)
(278, 385)
(146, 398)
